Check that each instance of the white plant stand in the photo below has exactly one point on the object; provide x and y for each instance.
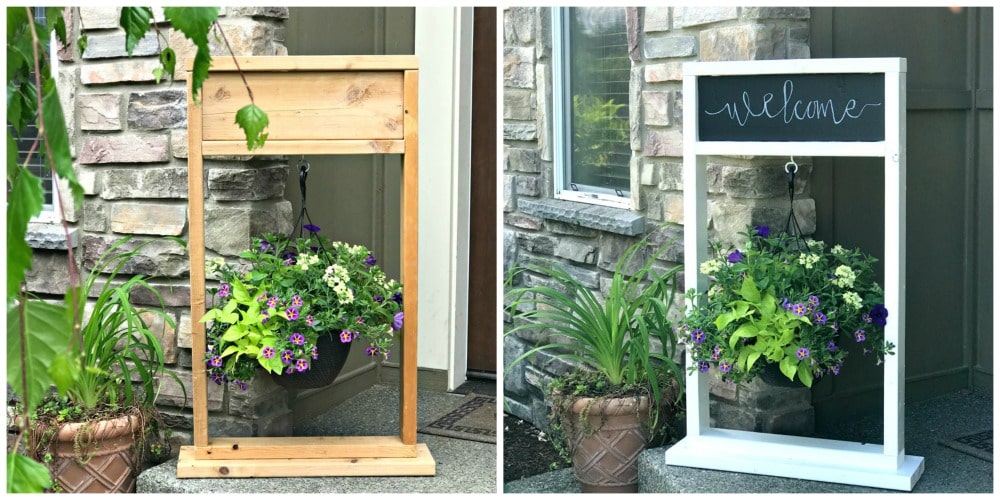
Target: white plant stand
(873, 465)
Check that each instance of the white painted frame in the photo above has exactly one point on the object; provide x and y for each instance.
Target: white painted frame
(594, 195)
(881, 466)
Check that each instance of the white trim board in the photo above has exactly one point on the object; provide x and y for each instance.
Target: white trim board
(882, 466)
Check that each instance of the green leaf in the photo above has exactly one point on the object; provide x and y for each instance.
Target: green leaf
(25, 202)
(195, 23)
(749, 290)
(57, 139)
(253, 121)
(47, 332)
(25, 475)
(12, 166)
(788, 366)
(135, 22)
(229, 350)
(63, 371)
(168, 60)
(81, 43)
(746, 330)
(805, 374)
(234, 333)
(752, 358)
(54, 18)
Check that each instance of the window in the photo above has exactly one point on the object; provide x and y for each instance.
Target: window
(37, 165)
(591, 69)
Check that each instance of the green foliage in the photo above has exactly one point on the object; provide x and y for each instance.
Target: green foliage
(135, 22)
(26, 202)
(44, 339)
(306, 287)
(787, 302)
(195, 23)
(612, 338)
(116, 344)
(253, 121)
(25, 475)
(596, 126)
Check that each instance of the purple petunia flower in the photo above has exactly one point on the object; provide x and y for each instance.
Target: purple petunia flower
(866, 318)
(371, 351)
(813, 301)
(370, 260)
(315, 352)
(878, 314)
(223, 290)
(296, 301)
(267, 352)
(735, 256)
(345, 336)
(725, 366)
(287, 356)
(292, 313)
(799, 309)
(378, 299)
(835, 369)
(802, 353)
(397, 298)
(216, 377)
(241, 384)
(386, 354)
(703, 366)
(859, 335)
(820, 318)
(301, 365)
(312, 228)
(264, 246)
(698, 336)
(297, 338)
(763, 231)
(831, 346)
(215, 361)
(355, 335)
(397, 321)
(272, 301)
(310, 321)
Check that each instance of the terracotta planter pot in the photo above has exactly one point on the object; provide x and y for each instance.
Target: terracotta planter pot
(101, 460)
(607, 460)
(324, 370)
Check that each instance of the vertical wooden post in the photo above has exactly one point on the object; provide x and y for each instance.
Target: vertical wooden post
(196, 252)
(410, 236)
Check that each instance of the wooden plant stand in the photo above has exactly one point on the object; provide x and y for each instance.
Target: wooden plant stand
(316, 105)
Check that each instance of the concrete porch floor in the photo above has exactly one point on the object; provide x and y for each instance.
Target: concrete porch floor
(945, 470)
(462, 466)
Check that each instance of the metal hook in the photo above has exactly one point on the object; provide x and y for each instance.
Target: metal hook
(791, 163)
(303, 164)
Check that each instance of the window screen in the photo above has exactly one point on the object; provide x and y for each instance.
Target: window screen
(598, 84)
(37, 164)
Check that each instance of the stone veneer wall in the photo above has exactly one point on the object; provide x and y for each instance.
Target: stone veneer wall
(586, 239)
(129, 140)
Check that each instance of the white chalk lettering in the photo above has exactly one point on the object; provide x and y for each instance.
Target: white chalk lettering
(742, 110)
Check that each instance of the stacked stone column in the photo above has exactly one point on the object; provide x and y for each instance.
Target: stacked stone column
(129, 138)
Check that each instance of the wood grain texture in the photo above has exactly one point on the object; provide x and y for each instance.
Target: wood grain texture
(421, 465)
(305, 447)
(311, 147)
(307, 105)
(410, 222)
(196, 254)
(312, 63)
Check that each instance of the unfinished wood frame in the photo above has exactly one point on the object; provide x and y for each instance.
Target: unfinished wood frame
(316, 105)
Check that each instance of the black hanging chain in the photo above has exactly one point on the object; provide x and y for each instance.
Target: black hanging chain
(791, 224)
(303, 211)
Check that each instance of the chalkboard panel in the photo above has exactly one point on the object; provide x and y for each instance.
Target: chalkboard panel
(798, 107)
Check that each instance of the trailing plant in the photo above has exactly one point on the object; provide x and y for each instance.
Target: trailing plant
(271, 314)
(788, 302)
(596, 128)
(612, 338)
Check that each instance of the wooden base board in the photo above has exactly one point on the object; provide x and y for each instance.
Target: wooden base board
(190, 467)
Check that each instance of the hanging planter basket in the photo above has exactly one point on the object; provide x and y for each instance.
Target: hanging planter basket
(323, 370)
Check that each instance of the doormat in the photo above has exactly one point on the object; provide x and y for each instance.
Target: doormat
(979, 445)
(475, 419)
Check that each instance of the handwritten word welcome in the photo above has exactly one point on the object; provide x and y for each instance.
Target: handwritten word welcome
(790, 109)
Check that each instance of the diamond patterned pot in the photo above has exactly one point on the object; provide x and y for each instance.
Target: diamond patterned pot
(96, 457)
(606, 461)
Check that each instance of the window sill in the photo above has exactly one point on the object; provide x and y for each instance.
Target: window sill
(612, 220)
(49, 236)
